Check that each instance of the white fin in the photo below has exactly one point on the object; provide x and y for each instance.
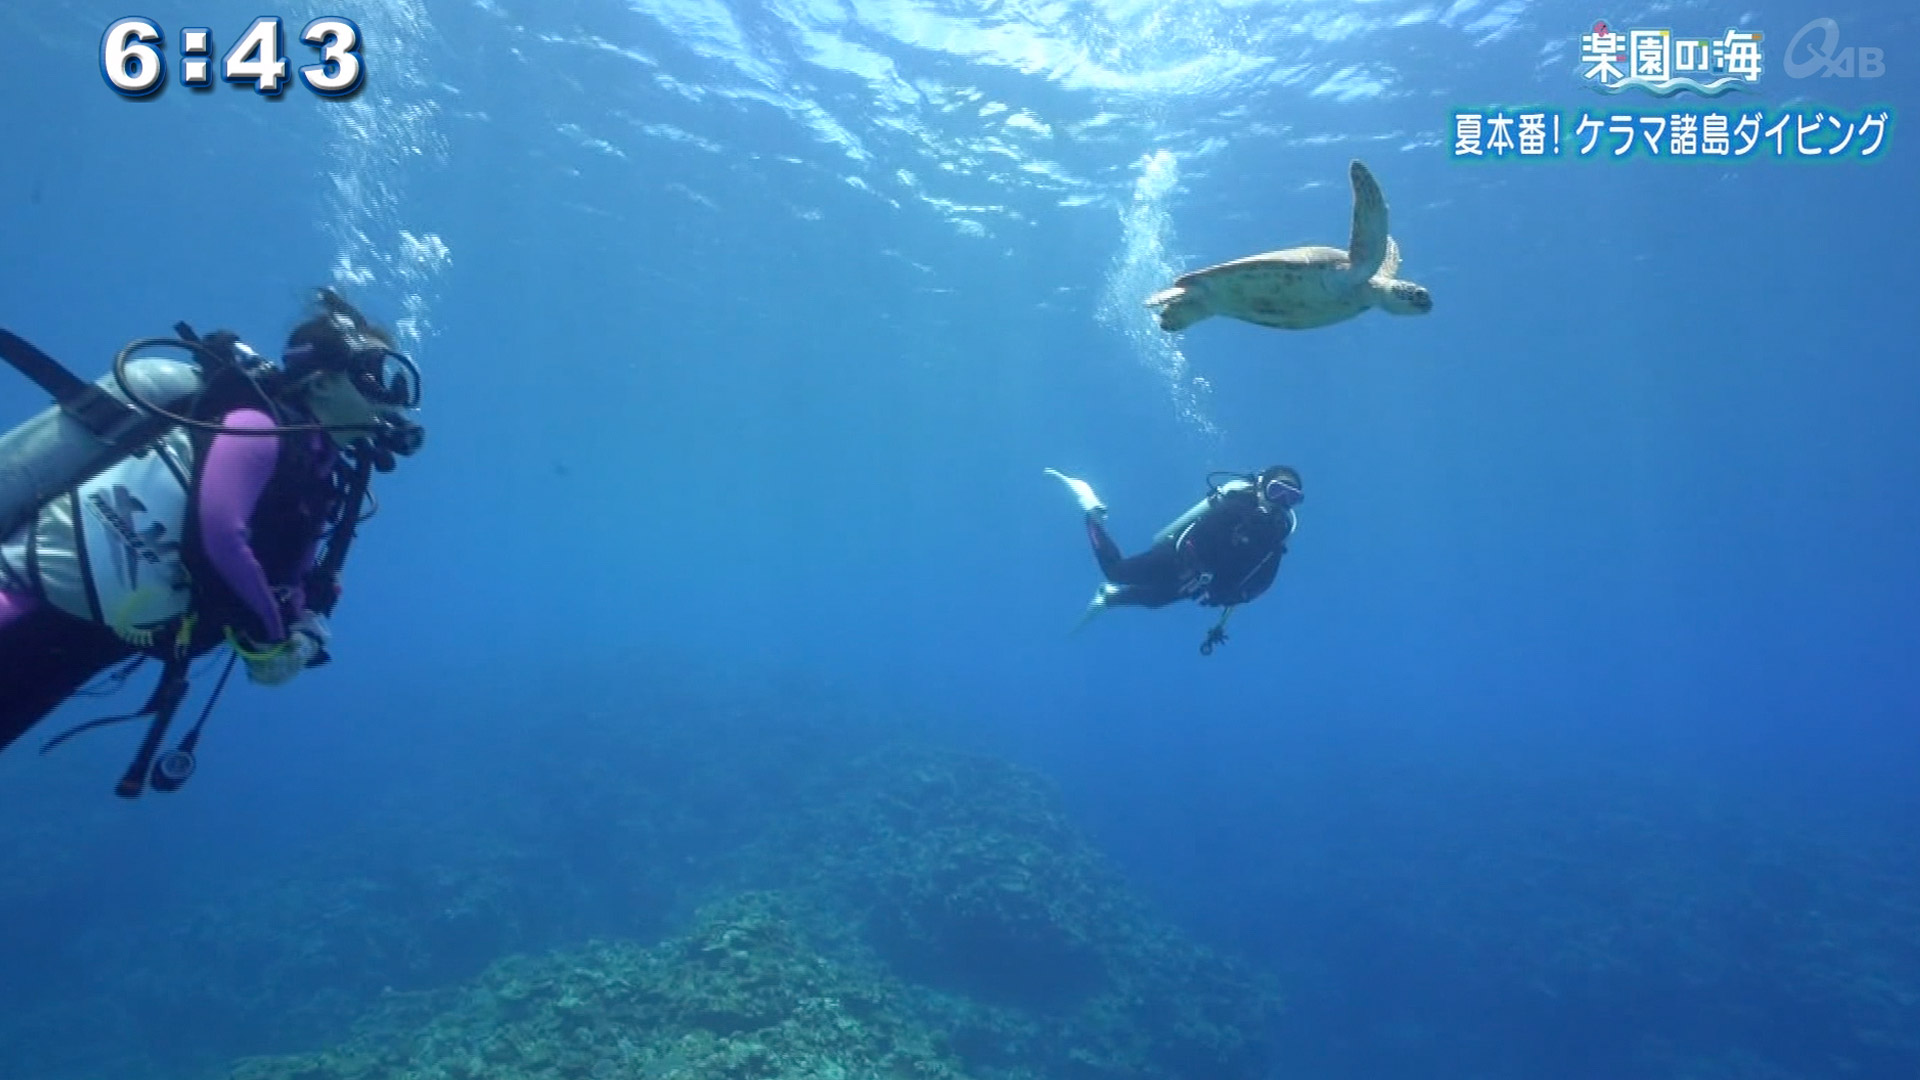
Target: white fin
(1097, 605)
(1082, 493)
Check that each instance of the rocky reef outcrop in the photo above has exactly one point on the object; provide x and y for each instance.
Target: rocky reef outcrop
(923, 915)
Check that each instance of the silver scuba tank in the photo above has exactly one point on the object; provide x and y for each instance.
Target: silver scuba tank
(53, 452)
(1179, 524)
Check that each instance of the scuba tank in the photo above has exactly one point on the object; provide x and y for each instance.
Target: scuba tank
(1214, 495)
(60, 448)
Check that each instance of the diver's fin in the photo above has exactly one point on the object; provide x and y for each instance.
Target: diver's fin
(1082, 493)
(1097, 605)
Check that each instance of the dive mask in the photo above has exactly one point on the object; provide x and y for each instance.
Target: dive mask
(383, 375)
(1283, 491)
(338, 402)
(390, 382)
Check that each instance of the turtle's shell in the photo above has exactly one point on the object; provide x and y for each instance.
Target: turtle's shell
(1295, 289)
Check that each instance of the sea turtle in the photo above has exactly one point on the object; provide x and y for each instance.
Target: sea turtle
(1303, 287)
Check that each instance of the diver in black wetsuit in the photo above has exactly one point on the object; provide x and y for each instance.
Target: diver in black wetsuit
(1222, 552)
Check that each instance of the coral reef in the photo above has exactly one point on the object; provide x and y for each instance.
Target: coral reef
(925, 915)
(969, 876)
(741, 996)
(962, 874)
(846, 908)
(553, 830)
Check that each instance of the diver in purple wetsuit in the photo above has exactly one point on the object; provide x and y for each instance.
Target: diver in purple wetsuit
(210, 534)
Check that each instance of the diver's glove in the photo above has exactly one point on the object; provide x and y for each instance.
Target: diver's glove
(277, 664)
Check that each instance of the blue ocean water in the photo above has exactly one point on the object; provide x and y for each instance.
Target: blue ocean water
(1576, 737)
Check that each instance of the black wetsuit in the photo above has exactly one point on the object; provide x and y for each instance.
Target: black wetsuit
(1227, 555)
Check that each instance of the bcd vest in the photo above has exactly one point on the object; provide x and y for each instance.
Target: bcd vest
(110, 549)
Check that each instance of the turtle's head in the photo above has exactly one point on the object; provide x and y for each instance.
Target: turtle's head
(1402, 297)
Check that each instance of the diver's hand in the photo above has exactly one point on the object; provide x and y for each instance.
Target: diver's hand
(278, 664)
(312, 626)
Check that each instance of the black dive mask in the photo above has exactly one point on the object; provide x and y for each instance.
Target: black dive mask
(1281, 492)
(391, 384)
(385, 376)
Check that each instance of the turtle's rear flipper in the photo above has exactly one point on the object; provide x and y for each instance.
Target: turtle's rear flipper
(1179, 307)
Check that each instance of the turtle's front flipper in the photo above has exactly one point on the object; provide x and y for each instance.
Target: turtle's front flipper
(1368, 246)
(1179, 307)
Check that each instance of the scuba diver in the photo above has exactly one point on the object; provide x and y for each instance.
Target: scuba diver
(1222, 552)
(174, 507)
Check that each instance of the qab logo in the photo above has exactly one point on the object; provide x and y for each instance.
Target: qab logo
(1824, 56)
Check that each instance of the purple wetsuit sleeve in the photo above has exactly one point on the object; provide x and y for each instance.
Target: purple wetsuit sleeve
(237, 471)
